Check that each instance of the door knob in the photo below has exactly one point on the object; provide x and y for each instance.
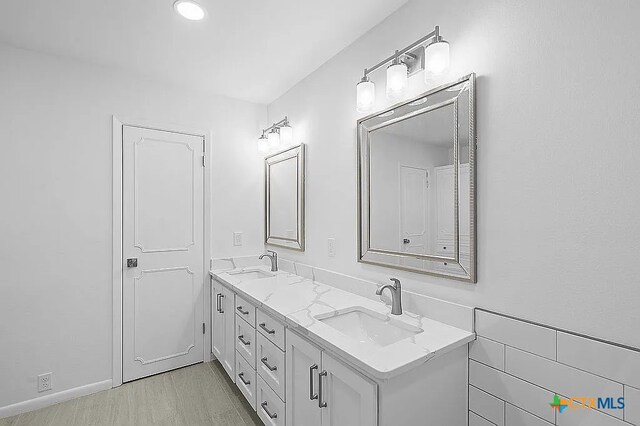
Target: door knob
(406, 241)
(132, 262)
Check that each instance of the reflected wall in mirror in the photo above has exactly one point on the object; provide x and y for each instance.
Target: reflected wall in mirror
(284, 198)
(416, 184)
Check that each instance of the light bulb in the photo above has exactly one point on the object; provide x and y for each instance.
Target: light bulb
(365, 95)
(189, 10)
(263, 143)
(396, 80)
(274, 138)
(286, 134)
(436, 60)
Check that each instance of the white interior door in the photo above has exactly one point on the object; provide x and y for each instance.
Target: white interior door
(162, 225)
(414, 214)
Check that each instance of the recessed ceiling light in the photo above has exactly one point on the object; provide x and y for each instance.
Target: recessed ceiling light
(189, 9)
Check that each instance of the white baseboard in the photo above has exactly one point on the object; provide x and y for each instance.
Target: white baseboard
(54, 398)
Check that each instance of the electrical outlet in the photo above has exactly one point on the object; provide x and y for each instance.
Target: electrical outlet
(44, 382)
(237, 238)
(331, 247)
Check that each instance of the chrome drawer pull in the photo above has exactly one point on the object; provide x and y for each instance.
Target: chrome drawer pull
(244, 342)
(218, 302)
(264, 407)
(264, 327)
(239, 308)
(321, 404)
(246, 382)
(264, 361)
(312, 395)
(221, 308)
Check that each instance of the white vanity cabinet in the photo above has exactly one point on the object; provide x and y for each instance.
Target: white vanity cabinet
(292, 380)
(223, 327)
(323, 391)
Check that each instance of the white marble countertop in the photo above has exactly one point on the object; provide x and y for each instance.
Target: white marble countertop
(296, 301)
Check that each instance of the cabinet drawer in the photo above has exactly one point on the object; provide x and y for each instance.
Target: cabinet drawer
(245, 310)
(246, 341)
(269, 407)
(270, 364)
(246, 380)
(270, 328)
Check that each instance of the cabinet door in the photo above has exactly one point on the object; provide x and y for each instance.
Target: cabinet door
(301, 378)
(217, 322)
(350, 398)
(227, 304)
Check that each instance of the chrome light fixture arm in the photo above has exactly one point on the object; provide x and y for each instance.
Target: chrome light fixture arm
(433, 37)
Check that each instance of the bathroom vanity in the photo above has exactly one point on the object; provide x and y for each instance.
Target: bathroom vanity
(306, 353)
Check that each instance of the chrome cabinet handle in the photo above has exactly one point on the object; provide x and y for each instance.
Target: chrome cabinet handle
(218, 302)
(264, 407)
(263, 326)
(239, 308)
(321, 404)
(312, 395)
(244, 342)
(246, 382)
(264, 361)
(221, 309)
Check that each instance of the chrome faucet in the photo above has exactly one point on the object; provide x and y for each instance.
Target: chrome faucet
(273, 256)
(396, 295)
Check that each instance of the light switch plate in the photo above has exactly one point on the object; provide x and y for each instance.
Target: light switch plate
(331, 247)
(237, 238)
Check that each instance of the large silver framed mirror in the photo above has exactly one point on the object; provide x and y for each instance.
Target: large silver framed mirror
(284, 198)
(416, 184)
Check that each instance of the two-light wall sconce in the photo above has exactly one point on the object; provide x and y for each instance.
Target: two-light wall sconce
(430, 53)
(278, 133)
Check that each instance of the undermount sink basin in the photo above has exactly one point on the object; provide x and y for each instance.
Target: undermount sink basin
(367, 326)
(253, 274)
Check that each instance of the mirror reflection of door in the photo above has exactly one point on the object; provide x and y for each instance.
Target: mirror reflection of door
(414, 213)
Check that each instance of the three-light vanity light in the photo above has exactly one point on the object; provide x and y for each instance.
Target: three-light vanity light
(278, 133)
(430, 53)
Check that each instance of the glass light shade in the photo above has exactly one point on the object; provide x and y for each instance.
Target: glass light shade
(436, 60)
(397, 78)
(286, 134)
(274, 139)
(189, 10)
(365, 96)
(263, 144)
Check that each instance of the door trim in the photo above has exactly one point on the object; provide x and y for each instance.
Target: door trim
(117, 259)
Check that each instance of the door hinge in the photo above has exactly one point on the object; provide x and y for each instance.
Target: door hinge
(204, 162)
(204, 327)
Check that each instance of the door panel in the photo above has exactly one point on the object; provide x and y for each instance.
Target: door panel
(217, 322)
(227, 304)
(163, 229)
(302, 365)
(351, 398)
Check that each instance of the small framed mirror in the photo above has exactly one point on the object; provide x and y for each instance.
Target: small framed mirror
(284, 198)
(416, 184)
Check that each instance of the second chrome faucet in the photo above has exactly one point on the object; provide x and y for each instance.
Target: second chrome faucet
(396, 295)
(273, 256)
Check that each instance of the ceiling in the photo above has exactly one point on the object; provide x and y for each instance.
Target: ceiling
(246, 49)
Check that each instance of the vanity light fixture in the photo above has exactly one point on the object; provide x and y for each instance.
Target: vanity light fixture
(190, 10)
(430, 53)
(365, 94)
(397, 79)
(274, 138)
(286, 134)
(263, 143)
(274, 135)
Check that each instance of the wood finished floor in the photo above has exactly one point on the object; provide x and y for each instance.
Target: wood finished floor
(201, 394)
